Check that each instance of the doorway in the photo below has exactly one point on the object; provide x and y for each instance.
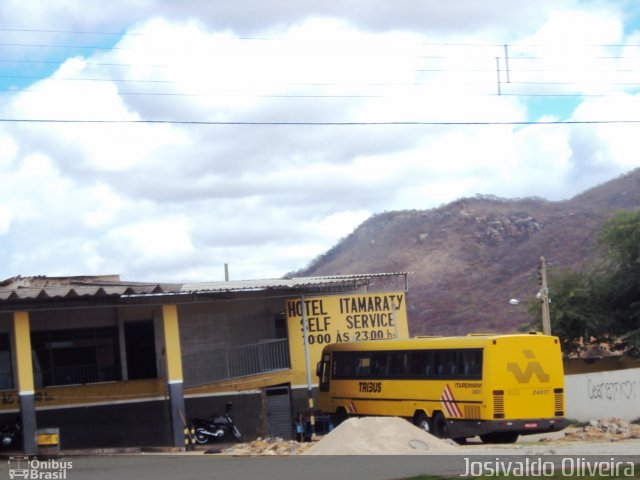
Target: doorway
(140, 344)
(279, 417)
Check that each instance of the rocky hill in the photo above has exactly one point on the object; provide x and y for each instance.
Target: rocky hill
(470, 257)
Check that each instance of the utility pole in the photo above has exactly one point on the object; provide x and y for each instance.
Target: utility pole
(312, 418)
(544, 298)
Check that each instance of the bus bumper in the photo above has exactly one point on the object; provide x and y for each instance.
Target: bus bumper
(471, 428)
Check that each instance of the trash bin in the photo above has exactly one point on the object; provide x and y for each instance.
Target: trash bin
(48, 442)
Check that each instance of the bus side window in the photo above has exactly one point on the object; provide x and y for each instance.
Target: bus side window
(466, 361)
(446, 360)
(417, 363)
(399, 366)
(452, 364)
(336, 366)
(430, 363)
(344, 364)
(440, 363)
(379, 364)
(471, 363)
(363, 365)
(476, 367)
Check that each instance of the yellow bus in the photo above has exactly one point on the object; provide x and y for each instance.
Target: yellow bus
(494, 386)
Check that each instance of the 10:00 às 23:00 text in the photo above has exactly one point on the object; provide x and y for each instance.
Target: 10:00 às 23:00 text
(360, 335)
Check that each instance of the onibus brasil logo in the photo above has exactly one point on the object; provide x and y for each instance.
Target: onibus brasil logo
(34, 469)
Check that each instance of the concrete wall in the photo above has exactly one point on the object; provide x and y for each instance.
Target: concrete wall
(207, 326)
(133, 424)
(592, 396)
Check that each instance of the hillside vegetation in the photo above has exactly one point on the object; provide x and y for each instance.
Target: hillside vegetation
(469, 258)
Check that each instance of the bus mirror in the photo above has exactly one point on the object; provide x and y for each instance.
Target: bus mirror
(319, 369)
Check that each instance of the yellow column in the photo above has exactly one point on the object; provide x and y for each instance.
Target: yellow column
(24, 369)
(22, 349)
(173, 356)
(173, 359)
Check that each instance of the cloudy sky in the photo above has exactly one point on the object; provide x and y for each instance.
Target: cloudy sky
(161, 139)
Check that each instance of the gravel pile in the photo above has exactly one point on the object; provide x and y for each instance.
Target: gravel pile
(612, 429)
(267, 446)
(379, 436)
(396, 436)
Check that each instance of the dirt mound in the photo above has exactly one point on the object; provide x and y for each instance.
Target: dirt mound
(378, 436)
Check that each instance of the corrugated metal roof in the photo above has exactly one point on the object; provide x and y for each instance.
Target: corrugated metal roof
(45, 288)
(284, 283)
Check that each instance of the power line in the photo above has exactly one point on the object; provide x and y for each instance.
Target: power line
(292, 96)
(586, 82)
(382, 94)
(75, 46)
(310, 123)
(120, 34)
(510, 71)
(431, 57)
(71, 32)
(559, 68)
(318, 84)
(249, 38)
(92, 64)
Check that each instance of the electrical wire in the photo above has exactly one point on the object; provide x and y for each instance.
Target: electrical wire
(245, 38)
(518, 58)
(331, 124)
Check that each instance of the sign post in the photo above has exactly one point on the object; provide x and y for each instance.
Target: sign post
(307, 363)
(544, 298)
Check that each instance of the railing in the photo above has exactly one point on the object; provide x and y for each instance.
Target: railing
(74, 374)
(224, 363)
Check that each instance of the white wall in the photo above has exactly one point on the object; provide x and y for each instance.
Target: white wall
(593, 396)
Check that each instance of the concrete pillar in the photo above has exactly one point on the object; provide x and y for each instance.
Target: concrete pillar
(24, 368)
(173, 359)
(124, 370)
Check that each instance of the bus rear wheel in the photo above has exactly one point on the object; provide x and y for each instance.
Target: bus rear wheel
(439, 424)
(500, 437)
(421, 421)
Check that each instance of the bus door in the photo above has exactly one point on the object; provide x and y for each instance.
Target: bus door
(323, 370)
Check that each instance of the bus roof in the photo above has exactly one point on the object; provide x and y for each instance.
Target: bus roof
(418, 343)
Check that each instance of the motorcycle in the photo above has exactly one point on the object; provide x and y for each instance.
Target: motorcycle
(10, 435)
(214, 428)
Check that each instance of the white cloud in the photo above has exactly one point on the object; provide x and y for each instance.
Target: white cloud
(6, 216)
(175, 202)
(250, 16)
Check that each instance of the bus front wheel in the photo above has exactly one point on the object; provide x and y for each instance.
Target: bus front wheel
(340, 416)
(440, 429)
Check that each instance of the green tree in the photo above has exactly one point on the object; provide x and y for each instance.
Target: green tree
(620, 239)
(578, 310)
(600, 306)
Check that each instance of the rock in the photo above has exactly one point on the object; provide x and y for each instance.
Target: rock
(612, 429)
(267, 446)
